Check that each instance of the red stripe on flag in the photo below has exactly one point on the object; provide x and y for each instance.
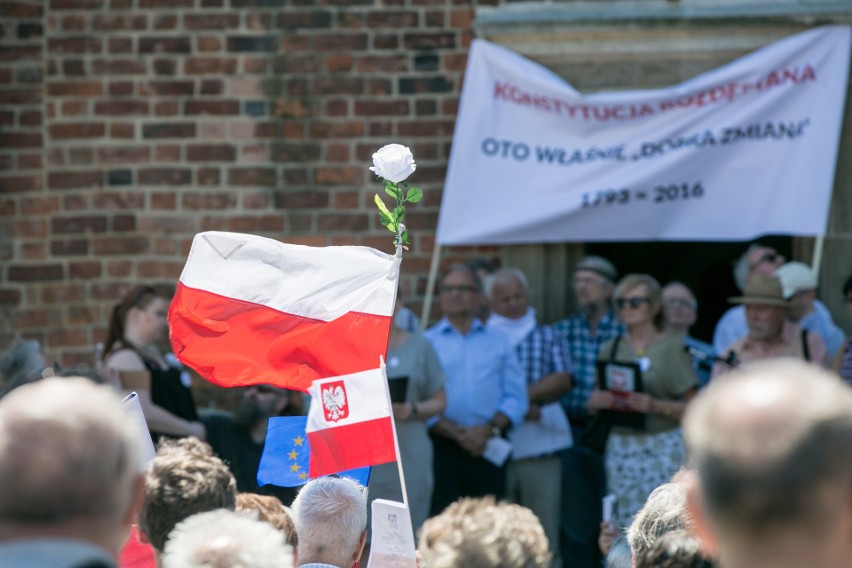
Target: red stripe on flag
(355, 445)
(236, 343)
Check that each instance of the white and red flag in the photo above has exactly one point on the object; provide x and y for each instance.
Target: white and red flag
(251, 310)
(349, 423)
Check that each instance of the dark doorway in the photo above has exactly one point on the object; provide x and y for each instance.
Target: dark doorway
(703, 266)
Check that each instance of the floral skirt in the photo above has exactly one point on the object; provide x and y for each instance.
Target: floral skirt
(636, 464)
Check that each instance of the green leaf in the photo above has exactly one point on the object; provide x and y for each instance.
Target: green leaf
(414, 195)
(381, 205)
(384, 218)
(405, 237)
(391, 227)
(393, 190)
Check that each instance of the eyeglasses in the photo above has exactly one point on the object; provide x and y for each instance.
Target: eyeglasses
(461, 289)
(634, 303)
(680, 302)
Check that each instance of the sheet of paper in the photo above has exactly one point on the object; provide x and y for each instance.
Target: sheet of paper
(547, 435)
(134, 409)
(497, 450)
(392, 544)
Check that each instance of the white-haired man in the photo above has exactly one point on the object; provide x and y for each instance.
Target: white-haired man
(228, 539)
(70, 475)
(534, 474)
(772, 448)
(330, 514)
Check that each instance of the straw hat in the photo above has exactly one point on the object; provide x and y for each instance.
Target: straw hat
(764, 290)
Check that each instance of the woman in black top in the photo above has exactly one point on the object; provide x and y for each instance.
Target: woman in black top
(137, 323)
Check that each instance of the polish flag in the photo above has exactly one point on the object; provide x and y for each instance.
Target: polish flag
(349, 423)
(251, 310)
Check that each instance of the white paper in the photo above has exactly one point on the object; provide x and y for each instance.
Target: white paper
(547, 435)
(392, 544)
(497, 450)
(609, 503)
(134, 409)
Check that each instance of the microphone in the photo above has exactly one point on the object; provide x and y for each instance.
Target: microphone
(730, 360)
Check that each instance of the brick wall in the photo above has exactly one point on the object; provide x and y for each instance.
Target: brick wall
(129, 125)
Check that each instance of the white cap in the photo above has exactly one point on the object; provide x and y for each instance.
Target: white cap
(795, 277)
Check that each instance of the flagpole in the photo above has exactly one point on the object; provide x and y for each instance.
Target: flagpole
(817, 254)
(430, 286)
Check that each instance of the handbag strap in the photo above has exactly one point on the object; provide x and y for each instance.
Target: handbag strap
(614, 348)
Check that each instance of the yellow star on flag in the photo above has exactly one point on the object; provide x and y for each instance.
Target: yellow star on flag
(303, 476)
(298, 440)
(294, 467)
(293, 455)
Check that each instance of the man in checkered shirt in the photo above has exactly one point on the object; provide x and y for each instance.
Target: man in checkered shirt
(534, 475)
(584, 482)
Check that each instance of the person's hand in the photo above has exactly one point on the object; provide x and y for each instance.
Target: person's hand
(534, 413)
(640, 402)
(198, 430)
(474, 438)
(402, 411)
(600, 400)
(609, 532)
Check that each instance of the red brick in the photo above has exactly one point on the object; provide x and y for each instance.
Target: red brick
(35, 319)
(36, 250)
(296, 20)
(166, 108)
(122, 130)
(339, 63)
(123, 223)
(209, 200)
(29, 161)
(251, 176)
(382, 63)
(22, 183)
(69, 247)
(210, 65)
(165, 176)
(116, 45)
(211, 21)
(167, 153)
(379, 19)
(35, 272)
(20, 140)
(75, 88)
(74, 107)
(84, 269)
(169, 4)
(167, 224)
(20, 96)
(208, 177)
(206, 44)
(337, 153)
(165, 22)
(121, 108)
(120, 245)
(39, 205)
(213, 87)
(78, 44)
(219, 107)
(291, 108)
(349, 20)
(118, 268)
(10, 297)
(346, 200)
(79, 224)
(351, 175)
(80, 155)
(339, 86)
(170, 88)
(259, 200)
(164, 44)
(119, 67)
(381, 108)
(75, 202)
(386, 41)
(339, 42)
(159, 269)
(20, 10)
(120, 88)
(297, 63)
(62, 293)
(301, 199)
(82, 315)
(211, 153)
(296, 152)
(74, 179)
(264, 223)
(124, 154)
(77, 130)
(341, 222)
(118, 200)
(119, 22)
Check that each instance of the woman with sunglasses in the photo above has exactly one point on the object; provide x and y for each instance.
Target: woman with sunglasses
(642, 456)
(130, 354)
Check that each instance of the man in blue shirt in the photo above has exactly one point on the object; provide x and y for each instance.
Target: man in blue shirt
(486, 393)
(583, 478)
(681, 313)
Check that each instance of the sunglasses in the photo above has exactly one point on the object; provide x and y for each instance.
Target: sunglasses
(633, 303)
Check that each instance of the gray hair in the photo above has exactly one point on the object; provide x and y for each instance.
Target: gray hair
(772, 444)
(503, 275)
(22, 364)
(225, 539)
(68, 451)
(330, 515)
(742, 267)
(664, 511)
(619, 555)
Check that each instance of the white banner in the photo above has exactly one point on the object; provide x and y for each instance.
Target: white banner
(743, 150)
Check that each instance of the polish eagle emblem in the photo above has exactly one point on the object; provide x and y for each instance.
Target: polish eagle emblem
(334, 403)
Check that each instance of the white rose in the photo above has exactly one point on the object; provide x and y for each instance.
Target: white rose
(394, 162)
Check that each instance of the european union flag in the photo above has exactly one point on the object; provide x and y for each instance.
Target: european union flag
(285, 455)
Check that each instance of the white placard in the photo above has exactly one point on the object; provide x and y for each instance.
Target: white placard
(392, 544)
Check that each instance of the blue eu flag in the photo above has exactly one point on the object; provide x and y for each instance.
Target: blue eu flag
(286, 452)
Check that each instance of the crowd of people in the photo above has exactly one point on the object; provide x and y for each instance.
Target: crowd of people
(513, 435)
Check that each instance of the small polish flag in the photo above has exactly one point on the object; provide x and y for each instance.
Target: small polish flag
(349, 423)
(251, 310)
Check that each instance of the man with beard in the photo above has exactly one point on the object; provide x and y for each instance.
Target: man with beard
(239, 439)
